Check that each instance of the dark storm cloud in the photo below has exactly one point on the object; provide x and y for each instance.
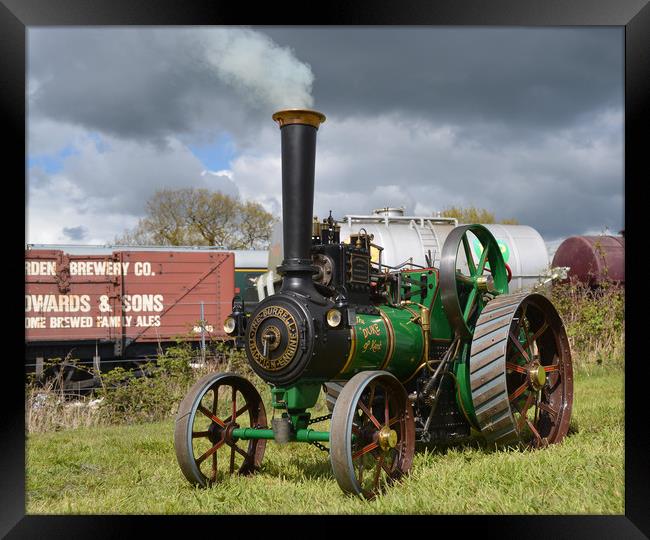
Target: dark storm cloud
(75, 233)
(536, 78)
(148, 83)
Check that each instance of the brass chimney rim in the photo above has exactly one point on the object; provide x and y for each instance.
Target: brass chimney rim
(306, 117)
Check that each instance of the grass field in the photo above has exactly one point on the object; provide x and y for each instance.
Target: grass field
(133, 470)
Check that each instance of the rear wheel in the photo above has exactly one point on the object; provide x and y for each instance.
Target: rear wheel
(521, 375)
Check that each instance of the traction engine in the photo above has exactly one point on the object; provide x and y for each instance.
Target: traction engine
(405, 354)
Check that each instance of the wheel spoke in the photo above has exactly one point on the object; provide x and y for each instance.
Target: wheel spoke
(528, 342)
(547, 408)
(515, 340)
(240, 451)
(234, 403)
(210, 452)
(215, 399)
(211, 416)
(518, 392)
(516, 367)
(379, 466)
(549, 390)
(238, 413)
(524, 411)
(554, 367)
(371, 398)
(534, 430)
(232, 458)
(386, 413)
(365, 450)
(468, 256)
(470, 304)
(393, 420)
(369, 414)
(537, 402)
(520, 319)
(481, 262)
(197, 434)
(539, 332)
(386, 468)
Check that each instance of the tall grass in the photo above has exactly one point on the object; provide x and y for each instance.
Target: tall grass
(126, 397)
(595, 323)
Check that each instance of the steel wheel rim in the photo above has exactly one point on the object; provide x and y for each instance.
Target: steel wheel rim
(205, 448)
(521, 375)
(369, 453)
(460, 294)
(543, 411)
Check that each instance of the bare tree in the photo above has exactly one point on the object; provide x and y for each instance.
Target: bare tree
(201, 217)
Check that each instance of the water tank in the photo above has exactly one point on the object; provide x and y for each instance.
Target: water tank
(415, 237)
(593, 259)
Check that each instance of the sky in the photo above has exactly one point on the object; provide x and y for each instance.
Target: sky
(525, 122)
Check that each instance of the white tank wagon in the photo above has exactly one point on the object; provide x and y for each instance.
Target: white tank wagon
(419, 240)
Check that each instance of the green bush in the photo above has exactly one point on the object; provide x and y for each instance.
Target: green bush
(595, 322)
(130, 398)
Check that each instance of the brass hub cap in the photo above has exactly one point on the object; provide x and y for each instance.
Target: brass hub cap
(387, 438)
(272, 335)
(537, 376)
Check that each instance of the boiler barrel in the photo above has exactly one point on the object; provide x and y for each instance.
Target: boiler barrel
(593, 259)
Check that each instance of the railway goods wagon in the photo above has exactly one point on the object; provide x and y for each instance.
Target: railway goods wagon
(106, 304)
(593, 260)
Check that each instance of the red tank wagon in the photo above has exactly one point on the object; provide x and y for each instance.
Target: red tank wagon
(593, 260)
(125, 304)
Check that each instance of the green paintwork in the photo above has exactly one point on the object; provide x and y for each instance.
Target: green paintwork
(464, 391)
(374, 348)
(409, 342)
(419, 286)
(412, 290)
(371, 344)
(301, 435)
(244, 282)
(296, 398)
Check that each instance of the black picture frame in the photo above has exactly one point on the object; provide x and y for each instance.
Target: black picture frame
(634, 15)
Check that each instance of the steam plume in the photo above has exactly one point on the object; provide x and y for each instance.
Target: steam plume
(265, 72)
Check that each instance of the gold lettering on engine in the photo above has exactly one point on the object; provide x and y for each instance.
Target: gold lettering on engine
(285, 351)
(373, 345)
(372, 330)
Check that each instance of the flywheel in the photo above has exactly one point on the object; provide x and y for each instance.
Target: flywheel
(520, 371)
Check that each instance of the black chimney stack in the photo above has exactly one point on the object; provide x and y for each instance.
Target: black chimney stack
(298, 129)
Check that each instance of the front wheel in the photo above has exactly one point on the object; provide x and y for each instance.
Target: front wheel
(372, 436)
(205, 448)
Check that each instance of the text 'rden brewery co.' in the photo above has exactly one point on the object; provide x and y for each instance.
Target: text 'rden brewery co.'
(89, 268)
